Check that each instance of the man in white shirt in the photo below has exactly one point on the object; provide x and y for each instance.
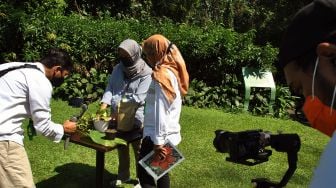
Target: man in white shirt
(25, 93)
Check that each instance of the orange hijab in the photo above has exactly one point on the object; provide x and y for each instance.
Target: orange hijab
(156, 50)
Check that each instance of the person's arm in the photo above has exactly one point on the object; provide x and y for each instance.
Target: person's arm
(39, 96)
(106, 99)
(160, 124)
(140, 94)
(324, 174)
(161, 108)
(115, 83)
(163, 117)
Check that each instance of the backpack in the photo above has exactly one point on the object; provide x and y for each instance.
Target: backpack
(5, 71)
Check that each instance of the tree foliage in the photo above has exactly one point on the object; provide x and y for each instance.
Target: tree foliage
(216, 37)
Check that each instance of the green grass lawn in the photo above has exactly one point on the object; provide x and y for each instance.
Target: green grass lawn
(53, 166)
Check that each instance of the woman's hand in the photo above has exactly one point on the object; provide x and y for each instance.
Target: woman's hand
(160, 152)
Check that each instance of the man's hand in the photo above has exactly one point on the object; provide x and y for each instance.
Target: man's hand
(69, 126)
(159, 152)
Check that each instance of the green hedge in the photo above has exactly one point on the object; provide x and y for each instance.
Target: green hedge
(212, 50)
(214, 55)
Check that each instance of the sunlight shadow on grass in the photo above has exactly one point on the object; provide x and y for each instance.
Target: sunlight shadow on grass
(75, 175)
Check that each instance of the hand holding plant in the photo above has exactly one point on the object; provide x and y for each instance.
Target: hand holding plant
(102, 119)
(103, 115)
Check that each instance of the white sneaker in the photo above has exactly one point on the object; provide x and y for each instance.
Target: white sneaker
(137, 186)
(118, 183)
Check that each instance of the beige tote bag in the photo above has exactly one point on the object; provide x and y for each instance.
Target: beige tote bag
(126, 115)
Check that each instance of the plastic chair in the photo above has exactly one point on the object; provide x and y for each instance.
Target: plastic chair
(258, 78)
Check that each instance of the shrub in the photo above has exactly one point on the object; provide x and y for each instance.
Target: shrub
(10, 34)
(92, 42)
(214, 55)
(230, 97)
(89, 87)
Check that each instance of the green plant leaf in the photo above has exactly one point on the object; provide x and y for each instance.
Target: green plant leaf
(99, 138)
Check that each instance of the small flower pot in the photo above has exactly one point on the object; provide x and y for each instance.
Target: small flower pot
(110, 134)
(101, 125)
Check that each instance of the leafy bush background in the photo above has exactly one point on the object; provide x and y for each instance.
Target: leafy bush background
(214, 51)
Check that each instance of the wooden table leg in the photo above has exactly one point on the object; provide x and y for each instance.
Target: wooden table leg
(100, 160)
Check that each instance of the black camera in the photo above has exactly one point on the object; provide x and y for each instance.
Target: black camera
(248, 148)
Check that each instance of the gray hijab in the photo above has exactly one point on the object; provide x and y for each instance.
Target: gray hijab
(139, 67)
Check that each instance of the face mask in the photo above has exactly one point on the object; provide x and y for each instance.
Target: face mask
(56, 82)
(126, 62)
(320, 116)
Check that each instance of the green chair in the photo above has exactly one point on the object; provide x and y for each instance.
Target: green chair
(258, 78)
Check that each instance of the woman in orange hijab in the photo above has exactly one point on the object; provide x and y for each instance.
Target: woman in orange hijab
(163, 103)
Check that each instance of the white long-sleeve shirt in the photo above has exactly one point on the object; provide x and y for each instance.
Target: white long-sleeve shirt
(161, 121)
(26, 93)
(324, 174)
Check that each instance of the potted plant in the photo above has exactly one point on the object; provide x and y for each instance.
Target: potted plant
(102, 119)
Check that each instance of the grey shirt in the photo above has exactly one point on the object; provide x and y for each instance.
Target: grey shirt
(133, 89)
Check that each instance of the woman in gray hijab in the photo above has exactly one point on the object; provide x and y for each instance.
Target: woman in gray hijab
(129, 81)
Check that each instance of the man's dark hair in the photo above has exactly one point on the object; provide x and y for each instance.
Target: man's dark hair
(308, 58)
(57, 57)
(313, 24)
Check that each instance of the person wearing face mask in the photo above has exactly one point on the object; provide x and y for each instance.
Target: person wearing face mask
(308, 58)
(163, 103)
(130, 80)
(25, 92)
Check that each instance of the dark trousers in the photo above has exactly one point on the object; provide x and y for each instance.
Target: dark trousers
(147, 180)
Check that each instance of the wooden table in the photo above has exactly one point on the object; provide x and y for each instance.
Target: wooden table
(86, 141)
